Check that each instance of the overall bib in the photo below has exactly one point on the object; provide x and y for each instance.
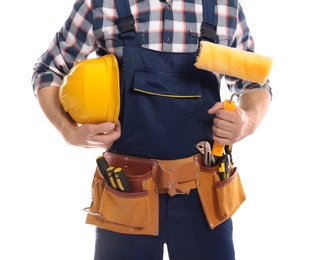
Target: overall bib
(164, 100)
(164, 103)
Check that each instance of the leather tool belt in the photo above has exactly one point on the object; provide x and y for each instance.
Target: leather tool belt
(136, 212)
(170, 176)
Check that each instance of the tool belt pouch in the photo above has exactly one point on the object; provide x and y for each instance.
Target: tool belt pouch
(220, 199)
(134, 212)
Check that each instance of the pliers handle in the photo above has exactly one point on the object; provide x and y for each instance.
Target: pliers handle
(204, 148)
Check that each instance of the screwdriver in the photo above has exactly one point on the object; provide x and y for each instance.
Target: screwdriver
(103, 165)
(228, 149)
(115, 177)
(121, 180)
(112, 181)
(227, 168)
(221, 170)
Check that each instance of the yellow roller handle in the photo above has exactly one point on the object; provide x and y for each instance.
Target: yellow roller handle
(217, 149)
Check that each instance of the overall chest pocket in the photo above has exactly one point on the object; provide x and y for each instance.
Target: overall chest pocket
(169, 112)
(174, 85)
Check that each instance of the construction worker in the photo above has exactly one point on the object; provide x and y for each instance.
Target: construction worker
(167, 107)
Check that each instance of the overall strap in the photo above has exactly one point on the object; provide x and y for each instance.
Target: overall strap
(208, 27)
(125, 21)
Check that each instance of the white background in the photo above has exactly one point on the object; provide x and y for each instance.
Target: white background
(44, 183)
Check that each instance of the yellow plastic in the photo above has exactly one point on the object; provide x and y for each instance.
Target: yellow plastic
(217, 149)
(90, 93)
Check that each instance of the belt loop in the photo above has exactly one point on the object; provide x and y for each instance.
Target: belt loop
(164, 179)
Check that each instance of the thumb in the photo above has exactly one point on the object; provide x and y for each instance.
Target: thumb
(105, 127)
(217, 106)
(108, 126)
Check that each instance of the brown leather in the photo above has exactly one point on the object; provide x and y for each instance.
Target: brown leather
(171, 176)
(123, 212)
(230, 194)
(219, 199)
(137, 212)
(178, 180)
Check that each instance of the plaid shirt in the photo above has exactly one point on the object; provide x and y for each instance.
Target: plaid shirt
(168, 26)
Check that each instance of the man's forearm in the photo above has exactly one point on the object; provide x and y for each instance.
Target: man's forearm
(49, 102)
(255, 104)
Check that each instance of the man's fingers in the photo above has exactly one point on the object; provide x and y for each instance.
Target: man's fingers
(104, 128)
(215, 108)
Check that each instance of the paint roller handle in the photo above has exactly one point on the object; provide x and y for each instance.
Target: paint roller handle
(217, 149)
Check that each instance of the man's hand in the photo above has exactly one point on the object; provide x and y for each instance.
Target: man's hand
(231, 127)
(86, 135)
(94, 135)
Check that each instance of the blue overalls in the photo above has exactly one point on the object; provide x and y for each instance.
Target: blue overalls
(164, 103)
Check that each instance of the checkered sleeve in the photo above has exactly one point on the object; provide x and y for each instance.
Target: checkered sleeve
(243, 40)
(73, 42)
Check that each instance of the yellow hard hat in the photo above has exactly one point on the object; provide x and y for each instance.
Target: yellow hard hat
(90, 93)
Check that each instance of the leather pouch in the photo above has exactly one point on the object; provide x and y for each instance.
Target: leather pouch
(220, 199)
(124, 212)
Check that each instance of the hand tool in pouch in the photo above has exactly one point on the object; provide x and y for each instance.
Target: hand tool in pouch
(228, 150)
(222, 169)
(224, 162)
(103, 165)
(114, 177)
(205, 149)
(121, 180)
(224, 165)
(111, 177)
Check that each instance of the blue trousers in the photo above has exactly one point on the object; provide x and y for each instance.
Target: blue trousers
(183, 228)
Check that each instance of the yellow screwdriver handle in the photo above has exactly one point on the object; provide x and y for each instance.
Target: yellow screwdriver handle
(217, 149)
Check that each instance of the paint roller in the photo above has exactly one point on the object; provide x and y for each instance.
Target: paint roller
(236, 63)
(233, 62)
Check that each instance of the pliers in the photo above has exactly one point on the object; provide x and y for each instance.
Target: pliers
(204, 148)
